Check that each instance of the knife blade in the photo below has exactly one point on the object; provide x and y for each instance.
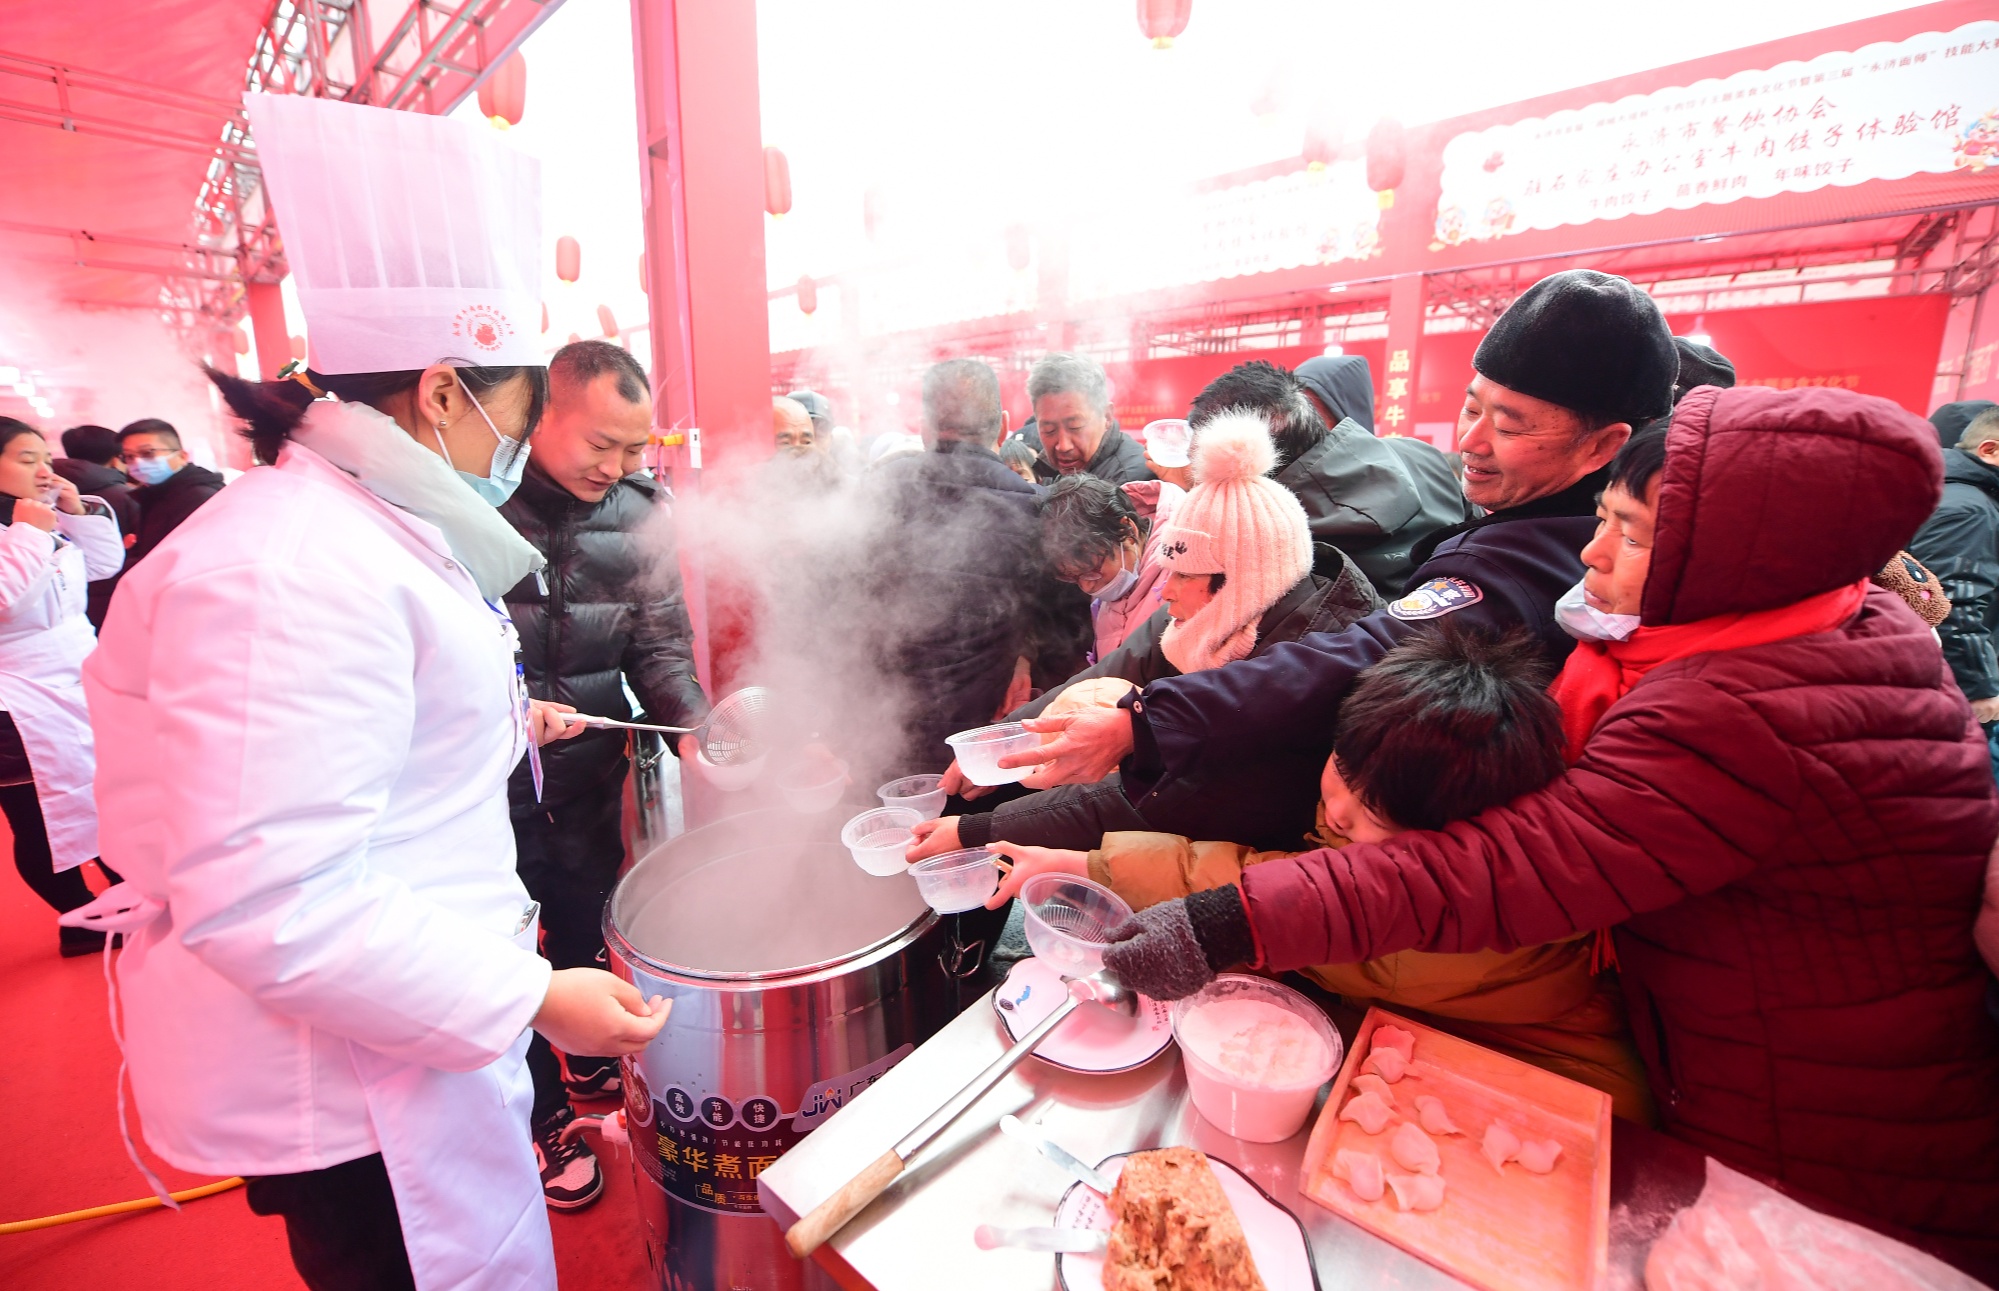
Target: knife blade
(1014, 1127)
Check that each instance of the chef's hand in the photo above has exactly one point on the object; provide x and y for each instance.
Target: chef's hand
(1030, 861)
(545, 724)
(689, 746)
(956, 783)
(1156, 953)
(1088, 746)
(68, 500)
(29, 511)
(589, 1011)
(933, 838)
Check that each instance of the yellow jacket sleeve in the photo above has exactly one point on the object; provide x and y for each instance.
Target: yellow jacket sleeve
(1147, 868)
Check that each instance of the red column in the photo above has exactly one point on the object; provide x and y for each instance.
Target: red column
(1397, 413)
(701, 174)
(267, 327)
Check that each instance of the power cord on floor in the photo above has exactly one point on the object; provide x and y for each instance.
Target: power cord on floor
(117, 1208)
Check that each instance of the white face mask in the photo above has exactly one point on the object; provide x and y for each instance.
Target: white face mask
(1585, 622)
(509, 458)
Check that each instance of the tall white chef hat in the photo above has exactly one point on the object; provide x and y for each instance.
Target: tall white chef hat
(413, 239)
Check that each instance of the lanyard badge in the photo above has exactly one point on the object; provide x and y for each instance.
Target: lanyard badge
(521, 691)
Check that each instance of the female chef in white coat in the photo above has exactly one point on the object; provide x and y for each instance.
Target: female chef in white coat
(48, 551)
(308, 708)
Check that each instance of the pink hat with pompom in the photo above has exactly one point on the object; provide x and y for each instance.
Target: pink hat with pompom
(1238, 522)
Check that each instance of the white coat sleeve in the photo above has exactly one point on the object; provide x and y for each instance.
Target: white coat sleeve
(97, 537)
(24, 556)
(284, 708)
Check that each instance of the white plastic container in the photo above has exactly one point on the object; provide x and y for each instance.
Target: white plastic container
(957, 881)
(733, 778)
(979, 751)
(922, 794)
(1069, 921)
(879, 839)
(1256, 1053)
(813, 787)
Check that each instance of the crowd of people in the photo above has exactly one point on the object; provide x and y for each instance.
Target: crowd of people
(1650, 738)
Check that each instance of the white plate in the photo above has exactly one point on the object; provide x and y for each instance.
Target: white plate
(1276, 1238)
(1093, 1040)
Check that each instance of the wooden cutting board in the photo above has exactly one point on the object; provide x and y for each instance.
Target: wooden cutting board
(1500, 1231)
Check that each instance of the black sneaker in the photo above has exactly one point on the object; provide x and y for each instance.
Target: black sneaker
(604, 1082)
(570, 1177)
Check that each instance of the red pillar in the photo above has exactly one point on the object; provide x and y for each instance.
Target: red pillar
(1397, 414)
(267, 327)
(701, 175)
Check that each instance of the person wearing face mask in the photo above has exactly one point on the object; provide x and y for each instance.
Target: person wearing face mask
(1104, 539)
(54, 541)
(1776, 802)
(171, 488)
(309, 704)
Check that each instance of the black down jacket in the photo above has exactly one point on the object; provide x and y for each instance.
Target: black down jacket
(611, 612)
(1334, 594)
(1960, 544)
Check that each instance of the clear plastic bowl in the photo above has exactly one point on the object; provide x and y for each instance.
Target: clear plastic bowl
(1069, 921)
(957, 881)
(733, 778)
(979, 751)
(879, 839)
(814, 787)
(1256, 1110)
(922, 794)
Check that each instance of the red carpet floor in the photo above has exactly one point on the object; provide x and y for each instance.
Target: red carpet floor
(62, 1153)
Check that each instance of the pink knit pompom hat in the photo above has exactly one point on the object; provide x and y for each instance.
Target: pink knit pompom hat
(1239, 522)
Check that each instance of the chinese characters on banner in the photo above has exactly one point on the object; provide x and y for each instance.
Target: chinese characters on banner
(1928, 104)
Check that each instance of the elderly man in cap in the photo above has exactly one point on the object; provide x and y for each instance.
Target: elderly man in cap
(1559, 382)
(836, 441)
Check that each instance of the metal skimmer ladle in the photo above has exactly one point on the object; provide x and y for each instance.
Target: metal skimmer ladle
(732, 734)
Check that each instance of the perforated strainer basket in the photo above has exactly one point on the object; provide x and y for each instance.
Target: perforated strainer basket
(1069, 921)
(736, 731)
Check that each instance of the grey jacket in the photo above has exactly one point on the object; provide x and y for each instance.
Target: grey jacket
(1375, 499)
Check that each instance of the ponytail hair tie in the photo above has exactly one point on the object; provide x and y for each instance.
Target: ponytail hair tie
(295, 371)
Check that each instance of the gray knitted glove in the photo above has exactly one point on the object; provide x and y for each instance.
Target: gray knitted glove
(1156, 953)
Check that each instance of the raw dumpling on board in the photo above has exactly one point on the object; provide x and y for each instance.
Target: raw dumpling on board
(1403, 1042)
(1538, 1155)
(1414, 1150)
(1417, 1191)
(1430, 1111)
(1369, 1111)
(1362, 1172)
(1389, 1064)
(1369, 1083)
(1500, 1146)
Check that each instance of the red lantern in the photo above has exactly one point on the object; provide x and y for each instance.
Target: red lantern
(645, 284)
(242, 341)
(808, 295)
(1162, 20)
(1019, 247)
(606, 321)
(1322, 144)
(568, 259)
(777, 182)
(298, 348)
(544, 316)
(1387, 150)
(573, 338)
(504, 93)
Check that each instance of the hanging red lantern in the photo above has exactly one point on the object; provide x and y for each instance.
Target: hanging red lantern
(607, 321)
(1162, 20)
(1322, 144)
(573, 338)
(645, 283)
(298, 348)
(808, 295)
(242, 341)
(777, 182)
(1019, 247)
(1387, 152)
(568, 259)
(544, 316)
(504, 94)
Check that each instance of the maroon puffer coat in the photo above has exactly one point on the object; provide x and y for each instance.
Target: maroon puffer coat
(1791, 838)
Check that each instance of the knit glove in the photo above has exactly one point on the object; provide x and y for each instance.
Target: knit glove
(1171, 950)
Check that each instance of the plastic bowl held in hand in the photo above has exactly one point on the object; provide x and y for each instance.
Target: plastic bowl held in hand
(880, 838)
(1256, 1055)
(1069, 921)
(814, 787)
(733, 778)
(979, 751)
(957, 881)
(922, 794)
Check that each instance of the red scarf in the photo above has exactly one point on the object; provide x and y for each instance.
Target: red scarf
(1599, 672)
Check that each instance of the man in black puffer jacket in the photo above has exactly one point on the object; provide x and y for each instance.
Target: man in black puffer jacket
(1960, 544)
(607, 611)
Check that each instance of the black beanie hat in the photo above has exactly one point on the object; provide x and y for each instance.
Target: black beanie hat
(1951, 419)
(1700, 366)
(1588, 341)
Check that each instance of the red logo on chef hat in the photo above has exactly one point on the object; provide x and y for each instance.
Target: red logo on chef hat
(484, 325)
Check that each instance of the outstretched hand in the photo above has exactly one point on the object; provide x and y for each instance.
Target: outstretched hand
(590, 1011)
(1029, 861)
(1088, 746)
(545, 722)
(933, 838)
(955, 782)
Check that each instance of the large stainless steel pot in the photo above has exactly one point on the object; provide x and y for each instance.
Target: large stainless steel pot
(797, 980)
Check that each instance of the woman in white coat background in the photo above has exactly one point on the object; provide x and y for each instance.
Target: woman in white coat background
(330, 966)
(51, 546)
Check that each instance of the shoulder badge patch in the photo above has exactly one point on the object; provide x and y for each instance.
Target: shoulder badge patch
(1436, 598)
